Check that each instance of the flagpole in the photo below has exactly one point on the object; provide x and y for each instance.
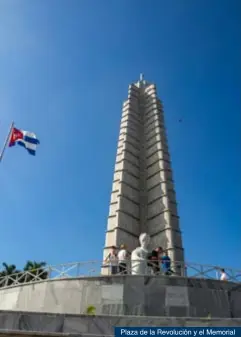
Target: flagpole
(6, 141)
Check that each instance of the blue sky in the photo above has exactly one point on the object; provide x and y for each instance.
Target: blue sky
(65, 67)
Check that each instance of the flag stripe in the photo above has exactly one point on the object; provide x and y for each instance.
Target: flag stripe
(32, 152)
(21, 143)
(31, 140)
(28, 146)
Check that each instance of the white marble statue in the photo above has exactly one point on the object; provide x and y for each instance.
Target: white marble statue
(139, 256)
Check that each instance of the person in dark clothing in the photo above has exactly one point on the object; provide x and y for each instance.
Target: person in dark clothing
(155, 259)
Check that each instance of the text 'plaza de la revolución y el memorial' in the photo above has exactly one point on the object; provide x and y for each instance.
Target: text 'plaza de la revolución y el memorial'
(143, 196)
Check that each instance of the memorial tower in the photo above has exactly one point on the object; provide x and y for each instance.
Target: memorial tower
(143, 195)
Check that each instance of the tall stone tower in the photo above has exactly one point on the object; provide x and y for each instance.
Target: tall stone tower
(143, 196)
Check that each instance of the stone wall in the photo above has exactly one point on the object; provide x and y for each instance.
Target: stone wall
(99, 325)
(128, 295)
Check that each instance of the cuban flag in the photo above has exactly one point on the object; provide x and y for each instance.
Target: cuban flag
(24, 138)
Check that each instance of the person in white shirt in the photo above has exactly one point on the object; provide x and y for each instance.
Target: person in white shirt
(122, 259)
(223, 276)
(112, 258)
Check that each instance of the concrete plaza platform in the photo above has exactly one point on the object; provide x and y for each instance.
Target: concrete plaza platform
(127, 295)
(98, 325)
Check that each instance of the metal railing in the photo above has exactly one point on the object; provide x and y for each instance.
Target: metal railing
(99, 268)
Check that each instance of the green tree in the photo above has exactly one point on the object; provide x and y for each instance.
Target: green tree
(9, 274)
(36, 271)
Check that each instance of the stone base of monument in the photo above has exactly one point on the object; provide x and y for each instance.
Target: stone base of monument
(127, 295)
(82, 325)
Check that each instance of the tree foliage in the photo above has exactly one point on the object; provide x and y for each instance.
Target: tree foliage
(32, 271)
(36, 270)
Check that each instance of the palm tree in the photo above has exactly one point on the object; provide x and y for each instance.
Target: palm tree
(36, 271)
(10, 272)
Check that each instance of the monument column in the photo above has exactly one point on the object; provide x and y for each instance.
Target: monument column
(143, 196)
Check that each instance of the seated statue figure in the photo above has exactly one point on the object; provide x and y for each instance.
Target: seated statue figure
(139, 256)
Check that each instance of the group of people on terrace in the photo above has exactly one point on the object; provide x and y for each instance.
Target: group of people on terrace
(119, 261)
(144, 261)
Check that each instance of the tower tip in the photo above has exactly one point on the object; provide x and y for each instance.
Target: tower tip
(141, 77)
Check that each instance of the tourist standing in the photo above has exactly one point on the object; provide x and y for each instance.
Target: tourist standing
(166, 264)
(112, 258)
(223, 276)
(155, 259)
(122, 259)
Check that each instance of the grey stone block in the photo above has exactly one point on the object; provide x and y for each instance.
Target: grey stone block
(9, 321)
(41, 322)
